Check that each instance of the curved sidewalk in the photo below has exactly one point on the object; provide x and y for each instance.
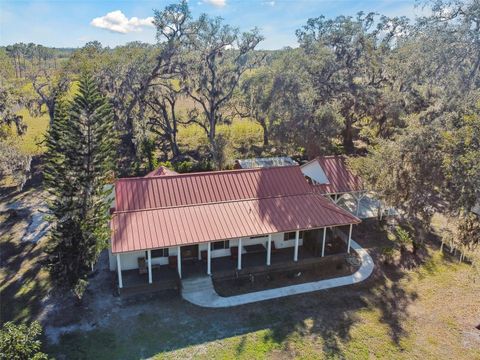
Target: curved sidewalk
(206, 296)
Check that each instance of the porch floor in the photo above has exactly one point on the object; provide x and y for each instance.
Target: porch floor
(163, 278)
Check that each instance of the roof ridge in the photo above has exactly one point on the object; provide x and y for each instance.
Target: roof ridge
(207, 173)
(213, 203)
(317, 158)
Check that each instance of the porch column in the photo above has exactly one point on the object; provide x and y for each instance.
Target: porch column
(349, 238)
(209, 259)
(295, 251)
(149, 259)
(323, 243)
(119, 271)
(269, 249)
(179, 261)
(239, 265)
(336, 198)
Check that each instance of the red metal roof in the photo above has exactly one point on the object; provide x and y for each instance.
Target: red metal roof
(208, 187)
(181, 225)
(166, 211)
(161, 171)
(341, 179)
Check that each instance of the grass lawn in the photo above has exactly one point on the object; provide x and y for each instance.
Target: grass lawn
(426, 313)
(408, 319)
(429, 312)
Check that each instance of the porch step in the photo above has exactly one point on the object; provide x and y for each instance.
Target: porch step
(196, 284)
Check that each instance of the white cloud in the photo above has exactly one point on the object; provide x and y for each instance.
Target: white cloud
(116, 21)
(217, 3)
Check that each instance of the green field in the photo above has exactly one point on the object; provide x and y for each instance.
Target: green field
(31, 142)
(241, 135)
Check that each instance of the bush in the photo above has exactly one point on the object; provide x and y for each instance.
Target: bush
(188, 166)
(388, 255)
(80, 288)
(20, 342)
(403, 237)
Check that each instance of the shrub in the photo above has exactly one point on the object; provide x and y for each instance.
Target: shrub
(188, 166)
(403, 237)
(388, 255)
(20, 342)
(79, 289)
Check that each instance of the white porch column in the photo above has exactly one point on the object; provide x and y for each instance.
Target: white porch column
(336, 198)
(179, 261)
(239, 265)
(295, 251)
(119, 271)
(209, 259)
(349, 238)
(269, 249)
(149, 259)
(323, 243)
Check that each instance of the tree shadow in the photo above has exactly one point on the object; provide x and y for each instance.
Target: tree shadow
(328, 316)
(23, 288)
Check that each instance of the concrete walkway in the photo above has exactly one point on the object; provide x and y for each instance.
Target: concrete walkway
(200, 291)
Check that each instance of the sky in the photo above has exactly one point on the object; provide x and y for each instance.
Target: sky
(72, 23)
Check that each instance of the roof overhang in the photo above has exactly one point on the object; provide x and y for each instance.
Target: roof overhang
(194, 224)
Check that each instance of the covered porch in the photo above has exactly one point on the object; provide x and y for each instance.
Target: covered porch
(316, 244)
(243, 256)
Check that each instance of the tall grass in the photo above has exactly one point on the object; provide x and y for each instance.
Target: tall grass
(31, 142)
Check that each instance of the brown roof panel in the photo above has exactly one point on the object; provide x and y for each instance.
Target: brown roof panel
(341, 179)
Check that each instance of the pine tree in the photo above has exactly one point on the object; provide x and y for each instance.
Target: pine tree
(79, 162)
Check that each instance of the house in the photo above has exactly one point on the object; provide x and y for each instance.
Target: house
(173, 225)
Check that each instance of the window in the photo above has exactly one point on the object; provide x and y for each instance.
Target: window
(291, 235)
(220, 245)
(158, 253)
(258, 237)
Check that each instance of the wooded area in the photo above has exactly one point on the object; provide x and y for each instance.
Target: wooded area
(400, 96)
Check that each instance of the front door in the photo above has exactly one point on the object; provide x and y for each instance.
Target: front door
(312, 241)
(189, 252)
